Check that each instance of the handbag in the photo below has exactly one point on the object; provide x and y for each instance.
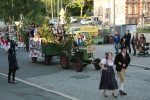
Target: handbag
(17, 66)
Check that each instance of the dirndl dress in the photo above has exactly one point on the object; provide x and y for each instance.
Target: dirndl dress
(108, 80)
(19, 44)
(7, 46)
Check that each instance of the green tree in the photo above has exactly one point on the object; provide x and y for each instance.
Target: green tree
(13, 8)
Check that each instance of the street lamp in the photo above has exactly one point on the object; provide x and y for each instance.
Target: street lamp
(144, 8)
(114, 15)
(82, 4)
(68, 5)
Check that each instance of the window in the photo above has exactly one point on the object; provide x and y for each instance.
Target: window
(130, 9)
(122, 11)
(145, 8)
(100, 11)
(135, 9)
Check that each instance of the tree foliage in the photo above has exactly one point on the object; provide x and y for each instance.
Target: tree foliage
(10, 8)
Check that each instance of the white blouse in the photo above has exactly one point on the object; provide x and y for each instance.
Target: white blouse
(103, 61)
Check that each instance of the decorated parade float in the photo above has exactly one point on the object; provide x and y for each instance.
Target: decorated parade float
(68, 51)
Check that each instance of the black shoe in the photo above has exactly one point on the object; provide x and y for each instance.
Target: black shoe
(9, 81)
(122, 92)
(133, 54)
(114, 95)
(105, 95)
(13, 82)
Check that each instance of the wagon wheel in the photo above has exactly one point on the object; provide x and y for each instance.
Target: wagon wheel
(64, 61)
(96, 65)
(48, 59)
(79, 66)
(34, 59)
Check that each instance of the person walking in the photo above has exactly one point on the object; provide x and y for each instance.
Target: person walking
(134, 41)
(108, 81)
(116, 41)
(12, 68)
(12, 44)
(127, 38)
(122, 61)
(122, 41)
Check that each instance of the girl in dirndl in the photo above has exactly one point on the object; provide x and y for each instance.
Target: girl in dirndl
(6, 45)
(108, 81)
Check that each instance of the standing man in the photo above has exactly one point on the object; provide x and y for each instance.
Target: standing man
(116, 40)
(52, 28)
(127, 38)
(64, 31)
(121, 61)
(32, 30)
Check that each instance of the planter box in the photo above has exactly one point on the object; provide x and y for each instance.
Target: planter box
(98, 40)
(51, 49)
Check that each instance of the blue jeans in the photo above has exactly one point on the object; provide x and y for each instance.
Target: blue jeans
(116, 46)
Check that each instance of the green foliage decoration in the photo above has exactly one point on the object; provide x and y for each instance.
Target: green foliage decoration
(47, 35)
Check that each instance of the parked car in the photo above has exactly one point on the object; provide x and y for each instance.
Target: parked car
(85, 21)
(54, 21)
(73, 20)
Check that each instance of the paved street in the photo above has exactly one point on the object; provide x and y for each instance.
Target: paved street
(23, 91)
(81, 85)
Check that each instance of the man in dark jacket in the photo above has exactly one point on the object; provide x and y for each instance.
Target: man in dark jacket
(127, 38)
(116, 41)
(12, 45)
(12, 68)
(122, 61)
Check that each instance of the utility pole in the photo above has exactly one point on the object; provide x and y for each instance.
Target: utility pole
(13, 11)
(109, 13)
(114, 15)
(58, 9)
(144, 8)
(46, 7)
(52, 8)
(61, 3)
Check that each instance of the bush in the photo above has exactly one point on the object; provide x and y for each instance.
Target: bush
(142, 30)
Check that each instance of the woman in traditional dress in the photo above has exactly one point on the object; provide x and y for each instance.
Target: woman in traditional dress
(59, 34)
(6, 45)
(108, 81)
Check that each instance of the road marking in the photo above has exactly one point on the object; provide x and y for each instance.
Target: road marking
(40, 87)
(139, 65)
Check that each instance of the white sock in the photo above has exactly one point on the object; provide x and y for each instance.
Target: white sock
(121, 86)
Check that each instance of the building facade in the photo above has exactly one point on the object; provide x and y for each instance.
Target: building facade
(126, 11)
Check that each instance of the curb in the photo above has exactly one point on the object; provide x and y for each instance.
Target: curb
(42, 88)
(140, 66)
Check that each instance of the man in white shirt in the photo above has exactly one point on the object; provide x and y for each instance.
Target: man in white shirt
(122, 61)
(53, 28)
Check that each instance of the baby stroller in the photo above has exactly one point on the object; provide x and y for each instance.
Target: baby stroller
(143, 49)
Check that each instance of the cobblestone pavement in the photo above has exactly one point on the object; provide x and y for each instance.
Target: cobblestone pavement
(84, 85)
